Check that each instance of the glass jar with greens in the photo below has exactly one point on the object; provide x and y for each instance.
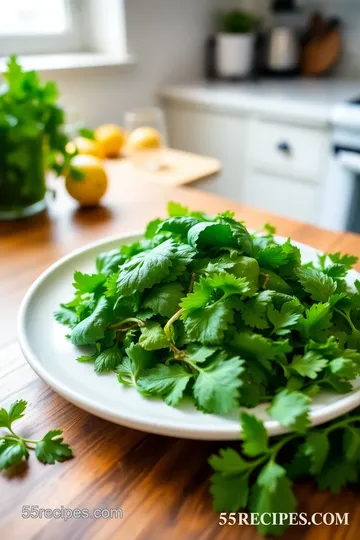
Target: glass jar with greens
(32, 141)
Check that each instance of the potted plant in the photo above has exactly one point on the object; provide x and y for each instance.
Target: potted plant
(33, 139)
(235, 42)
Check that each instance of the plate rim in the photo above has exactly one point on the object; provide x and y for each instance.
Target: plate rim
(345, 404)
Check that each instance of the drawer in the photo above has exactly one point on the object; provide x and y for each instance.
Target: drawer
(293, 198)
(289, 150)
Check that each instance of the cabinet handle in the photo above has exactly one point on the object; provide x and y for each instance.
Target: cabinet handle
(284, 147)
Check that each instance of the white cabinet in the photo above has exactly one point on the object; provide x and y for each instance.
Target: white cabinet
(270, 164)
(292, 151)
(295, 199)
(213, 134)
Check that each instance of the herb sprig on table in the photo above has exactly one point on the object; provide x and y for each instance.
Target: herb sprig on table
(203, 308)
(260, 477)
(14, 448)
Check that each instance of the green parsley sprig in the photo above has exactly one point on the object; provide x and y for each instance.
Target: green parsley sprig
(260, 477)
(14, 448)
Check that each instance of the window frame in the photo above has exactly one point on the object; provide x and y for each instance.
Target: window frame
(69, 41)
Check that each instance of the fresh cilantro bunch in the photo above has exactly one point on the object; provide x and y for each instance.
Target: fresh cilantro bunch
(32, 120)
(14, 448)
(260, 478)
(202, 308)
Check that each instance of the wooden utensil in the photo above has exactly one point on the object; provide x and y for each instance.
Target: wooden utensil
(322, 47)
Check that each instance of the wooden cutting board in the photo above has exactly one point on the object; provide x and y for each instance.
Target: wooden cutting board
(321, 54)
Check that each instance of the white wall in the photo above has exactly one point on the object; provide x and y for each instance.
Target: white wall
(166, 36)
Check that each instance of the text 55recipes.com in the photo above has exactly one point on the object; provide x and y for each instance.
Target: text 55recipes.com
(280, 518)
(65, 514)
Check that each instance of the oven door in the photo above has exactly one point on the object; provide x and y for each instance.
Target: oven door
(341, 195)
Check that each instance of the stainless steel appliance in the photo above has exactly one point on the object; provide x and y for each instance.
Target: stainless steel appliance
(282, 41)
(341, 196)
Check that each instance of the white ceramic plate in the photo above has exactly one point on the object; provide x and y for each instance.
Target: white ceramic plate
(52, 356)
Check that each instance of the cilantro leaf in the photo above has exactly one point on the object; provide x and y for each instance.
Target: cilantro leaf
(251, 345)
(216, 389)
(208, 324)
(344, 368)
(176, 209)
(272, 256)
(285, 319)
(108, 263)
(248, 268)
(52, 448)
(153, 337)
(351, 443)
(228, 463)
(316, 283)
(146, 269)
(205, 316)
(85, 283)
(211, 235)
(272, 493)
(254, 435)
(230, 493)
(15, 412)
(308, 365)
(12, 451)
(133, 364)
(346, 260)
(243, 238)
(199, 354)
(92, 328)
(291, 409)
(152, 228)
(336, 474)
(317, 447)
(164, 299)
(178, 226)
(254, 311)
(168, 382)
(108, 359)
(66, 316)
(316, 321)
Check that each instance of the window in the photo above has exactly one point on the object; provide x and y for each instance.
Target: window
(39, 26)
(52, 27)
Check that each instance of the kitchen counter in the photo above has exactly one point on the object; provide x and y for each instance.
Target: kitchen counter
(303, 101)
(160, 483)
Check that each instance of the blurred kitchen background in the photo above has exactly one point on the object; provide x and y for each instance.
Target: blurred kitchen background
(279, 107)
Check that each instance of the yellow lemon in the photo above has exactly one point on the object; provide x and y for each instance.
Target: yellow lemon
(112, 139)
(90, 189)
(87, 147)
(144, 138)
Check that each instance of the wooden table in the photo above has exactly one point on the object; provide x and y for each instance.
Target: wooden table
(160, 483)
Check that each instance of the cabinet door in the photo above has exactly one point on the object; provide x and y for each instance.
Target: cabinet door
(211, 134)
(284, 196)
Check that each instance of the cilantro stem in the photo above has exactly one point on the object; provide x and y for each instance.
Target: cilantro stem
(192, 281)
(342, 423)
(277, 447)
(347, 317)
(177, 316)
(178, 354)
(170, 322)
(30, 441)
(266, 280)
(124, 321)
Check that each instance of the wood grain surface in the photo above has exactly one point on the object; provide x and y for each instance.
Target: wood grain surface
(160, 483)
(178, 168)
